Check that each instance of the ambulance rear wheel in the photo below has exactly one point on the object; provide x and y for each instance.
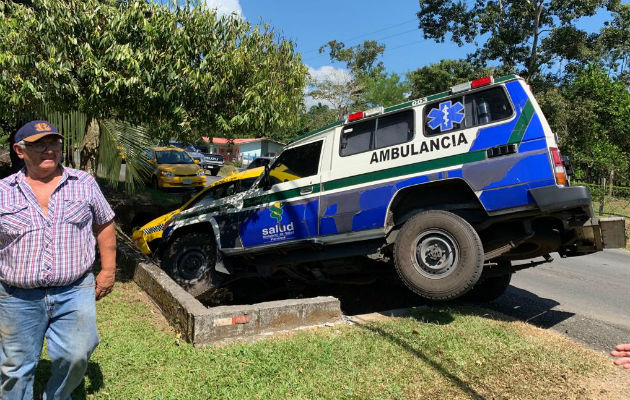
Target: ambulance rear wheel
(488, 289)
(438, 255)
(190, 261)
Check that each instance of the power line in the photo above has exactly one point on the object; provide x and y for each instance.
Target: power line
(371, 33)
(386, 37)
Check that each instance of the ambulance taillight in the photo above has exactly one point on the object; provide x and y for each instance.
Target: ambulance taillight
(558, 167)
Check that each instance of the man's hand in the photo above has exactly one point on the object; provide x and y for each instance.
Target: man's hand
(105, 283)
(623, 352)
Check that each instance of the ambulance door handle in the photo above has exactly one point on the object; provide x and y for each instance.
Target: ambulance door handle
(306, 190)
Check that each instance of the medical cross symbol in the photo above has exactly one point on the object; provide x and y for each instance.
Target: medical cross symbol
(444, 116)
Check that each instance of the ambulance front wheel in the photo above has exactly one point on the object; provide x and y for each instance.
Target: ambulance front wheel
(438, 255)
(190, 261)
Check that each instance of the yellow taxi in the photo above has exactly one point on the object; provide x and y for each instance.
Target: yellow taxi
(173, 168)
(147, 236)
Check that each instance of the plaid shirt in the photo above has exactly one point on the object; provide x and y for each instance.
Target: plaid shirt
(55, 250)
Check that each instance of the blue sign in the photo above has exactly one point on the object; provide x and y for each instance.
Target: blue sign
(444, 116)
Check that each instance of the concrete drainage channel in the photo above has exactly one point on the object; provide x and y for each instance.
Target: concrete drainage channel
(204, 326)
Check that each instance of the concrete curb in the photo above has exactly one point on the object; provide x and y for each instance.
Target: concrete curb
(203, 326)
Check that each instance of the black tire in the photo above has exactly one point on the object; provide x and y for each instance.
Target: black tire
(438, 255)
(190, 261)
(214, 171)
(488, 289)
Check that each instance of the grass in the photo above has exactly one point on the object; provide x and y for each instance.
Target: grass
(454, 353)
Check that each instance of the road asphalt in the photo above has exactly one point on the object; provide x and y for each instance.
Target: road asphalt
(586, 298)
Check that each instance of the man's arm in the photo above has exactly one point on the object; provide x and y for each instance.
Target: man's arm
(106, 240)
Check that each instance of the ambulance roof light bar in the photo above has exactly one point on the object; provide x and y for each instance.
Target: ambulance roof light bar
(486, 80)
(462, 87)
(364, 114)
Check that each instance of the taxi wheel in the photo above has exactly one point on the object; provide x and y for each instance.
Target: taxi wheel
(190, 261)
(438, 255)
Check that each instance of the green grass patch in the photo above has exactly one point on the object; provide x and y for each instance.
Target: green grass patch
(454, 353)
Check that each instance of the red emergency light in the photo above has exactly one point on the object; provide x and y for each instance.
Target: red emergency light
(355, 116)
(486, 80)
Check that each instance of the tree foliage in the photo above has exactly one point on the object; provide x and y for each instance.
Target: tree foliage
(184, 70)
(360, 59)
(592, 119)
(365, 83)
(614, 39)
(436, 78)
(143, 61)
(522, 36)
(339, 88)
(384, 90)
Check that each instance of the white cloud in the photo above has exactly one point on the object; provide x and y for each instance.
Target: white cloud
(226, 7)
(326, 72)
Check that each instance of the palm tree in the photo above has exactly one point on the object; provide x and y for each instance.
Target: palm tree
(117, 141)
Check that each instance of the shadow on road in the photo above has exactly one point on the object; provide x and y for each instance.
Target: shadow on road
(527, 306)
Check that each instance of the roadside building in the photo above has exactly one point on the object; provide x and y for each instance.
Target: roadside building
(243, 150)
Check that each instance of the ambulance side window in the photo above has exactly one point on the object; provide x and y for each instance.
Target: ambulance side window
(298, 162)
(444, 116)
(475, 109)
(487, 106)
(356, 138)
(384, 131)
(394, 129)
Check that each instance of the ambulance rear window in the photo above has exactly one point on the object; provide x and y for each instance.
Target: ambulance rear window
(468, 111)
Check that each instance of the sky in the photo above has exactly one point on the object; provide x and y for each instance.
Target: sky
(311, 24)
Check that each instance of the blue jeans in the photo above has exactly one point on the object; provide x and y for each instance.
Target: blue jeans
(66, 317)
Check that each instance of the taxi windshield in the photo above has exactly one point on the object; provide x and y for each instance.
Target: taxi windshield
(173, 157)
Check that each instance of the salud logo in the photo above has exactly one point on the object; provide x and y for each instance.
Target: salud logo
(444, 116)
(276, 211)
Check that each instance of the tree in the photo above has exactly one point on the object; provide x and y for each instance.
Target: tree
(436, 78)
(592, 119)
(339, 88)
(509, 32)
(615, 43)
(360, 59)
(366, 84)
(183, 70)
(384, 90)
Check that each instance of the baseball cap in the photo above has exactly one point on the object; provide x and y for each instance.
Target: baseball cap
(35, 130)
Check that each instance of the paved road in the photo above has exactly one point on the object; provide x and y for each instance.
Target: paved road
(587, 298)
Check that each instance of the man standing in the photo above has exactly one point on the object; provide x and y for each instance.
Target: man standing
(49, 216)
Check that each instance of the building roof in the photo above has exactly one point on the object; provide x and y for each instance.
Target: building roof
(217, 140)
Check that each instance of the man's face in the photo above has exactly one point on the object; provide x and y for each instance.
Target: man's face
(42, 155)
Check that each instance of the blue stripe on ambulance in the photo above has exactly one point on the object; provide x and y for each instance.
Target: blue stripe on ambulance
(534, 129)
(514, 196)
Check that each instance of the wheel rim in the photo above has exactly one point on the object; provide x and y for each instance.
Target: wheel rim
(191, 264)
(435, 253)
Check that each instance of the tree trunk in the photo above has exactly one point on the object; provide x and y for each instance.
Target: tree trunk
(89, 146)
(532, 69)
(612, 182)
